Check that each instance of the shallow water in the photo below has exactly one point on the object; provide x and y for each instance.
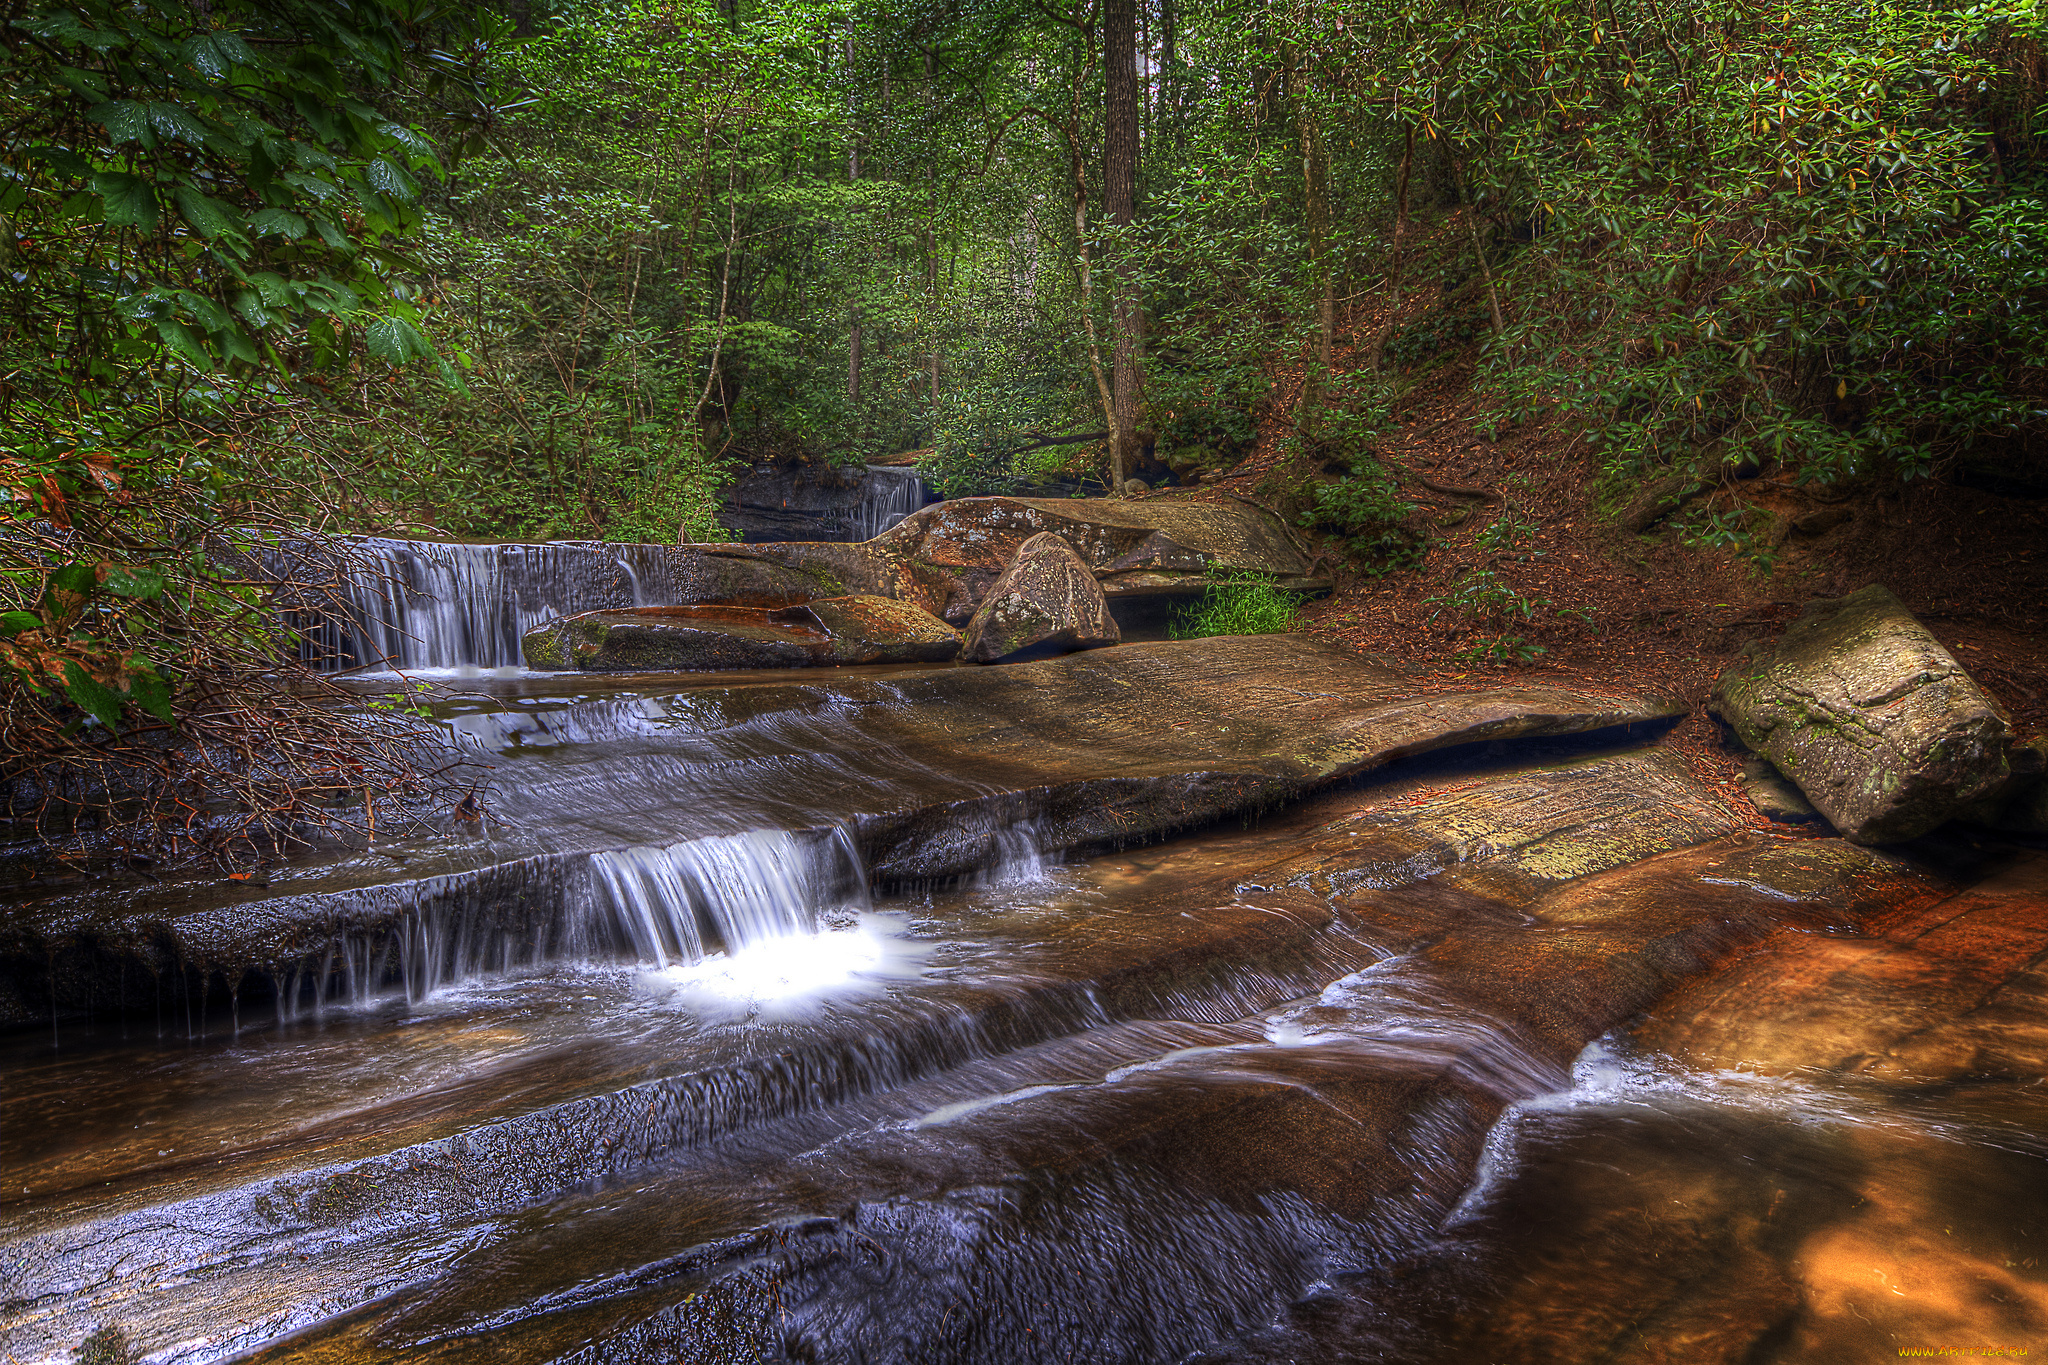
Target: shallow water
(1529, 1052)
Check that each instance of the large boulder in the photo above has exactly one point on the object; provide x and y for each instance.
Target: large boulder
(946, 557)
(1134, 548)
(1874, 721)
(841, 630)
(1046, 600)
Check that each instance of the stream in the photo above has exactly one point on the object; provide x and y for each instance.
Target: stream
(1209, 1000)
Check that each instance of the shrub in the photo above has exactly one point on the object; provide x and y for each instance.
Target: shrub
(1366, 509)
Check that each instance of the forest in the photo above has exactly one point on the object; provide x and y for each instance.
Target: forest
(532, 271)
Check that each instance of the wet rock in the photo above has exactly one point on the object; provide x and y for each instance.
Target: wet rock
(675, 638)
(814, 502)
(1877, 724)
(1774, 798)
(1046, 599)
(835, 630)
(1938, 985)
(877, 630)
(929, 772)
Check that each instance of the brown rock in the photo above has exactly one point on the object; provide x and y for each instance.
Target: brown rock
(946, 557)
(1875, 722)
(1046, 599)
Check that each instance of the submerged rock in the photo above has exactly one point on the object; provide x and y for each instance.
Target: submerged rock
(1875, 722)
(837, 630)
(1047, 599)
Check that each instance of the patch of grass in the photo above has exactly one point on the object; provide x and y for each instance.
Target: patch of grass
(1237, 604)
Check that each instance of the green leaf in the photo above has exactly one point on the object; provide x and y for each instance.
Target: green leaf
(232, 343)
(277, 223)
(273, 289)
(149, 690)
(208, 216)
(79, 579)
(387, 178)
(175, 120)
(130, 200)
(203, 310)
(124, 120)
(62, 160)
(183, 339)
(95, 698)
(396, 340)
(208, 55)
(15, 622)
(132, 580)
(406, 138)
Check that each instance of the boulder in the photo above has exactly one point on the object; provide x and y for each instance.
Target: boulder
(856, 629)
(1158, 545)
(1874, 721)
(946, 557)
(1047, 599)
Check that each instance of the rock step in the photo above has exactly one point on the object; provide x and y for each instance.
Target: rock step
(930, 773)
(1205, 1189)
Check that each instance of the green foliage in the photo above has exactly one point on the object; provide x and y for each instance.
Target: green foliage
(1758, 232)
(1366, 509)
(1240, 603)
(1735, 531)
(1499, 611)
(1206, 419)
(200, 216)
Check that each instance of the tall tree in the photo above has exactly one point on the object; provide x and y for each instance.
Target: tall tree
(1119, 190)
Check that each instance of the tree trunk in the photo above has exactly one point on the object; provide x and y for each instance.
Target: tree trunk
(1315, 180)
(931, 236)
(1394, 274)
(1087, 281)
(1478, 248)
(852, 174)
(1119, 192)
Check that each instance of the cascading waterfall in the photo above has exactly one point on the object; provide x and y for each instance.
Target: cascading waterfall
(422, 604)
(892, 494)
(734, 889)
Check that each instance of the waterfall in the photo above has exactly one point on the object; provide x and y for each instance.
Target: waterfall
(892, 494)
(423, 604)
(734, 889)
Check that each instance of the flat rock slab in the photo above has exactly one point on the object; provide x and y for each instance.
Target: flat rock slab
(1109, 1022)
(1208, 1176)
(826, 632)
(1876, 723)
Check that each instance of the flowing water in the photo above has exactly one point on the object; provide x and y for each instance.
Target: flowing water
(755, 1023)
(891, 495)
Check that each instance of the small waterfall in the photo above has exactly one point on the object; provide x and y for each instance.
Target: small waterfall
(423, 604)
(734, 889)
(892, 494)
